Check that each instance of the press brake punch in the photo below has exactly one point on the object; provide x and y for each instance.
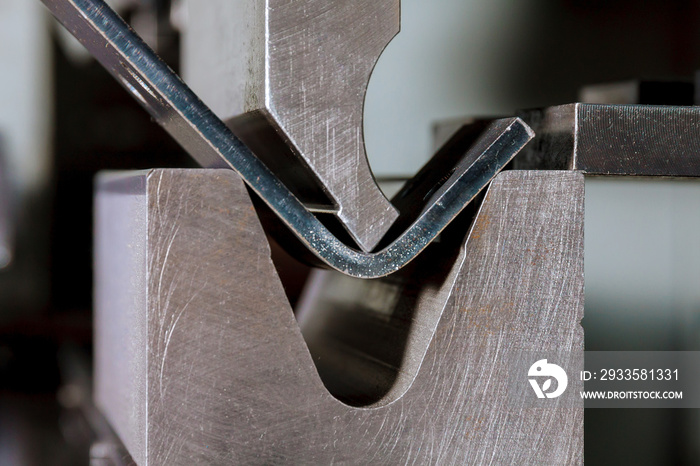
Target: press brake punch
(212, 144)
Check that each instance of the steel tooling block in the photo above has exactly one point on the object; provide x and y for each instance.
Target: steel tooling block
(199, 358)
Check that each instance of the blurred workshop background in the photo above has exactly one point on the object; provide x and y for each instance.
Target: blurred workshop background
(63, 118)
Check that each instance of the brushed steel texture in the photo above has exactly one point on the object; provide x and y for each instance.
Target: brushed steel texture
(296, 72)
(200, 360)
(599, 139)
(208, 139)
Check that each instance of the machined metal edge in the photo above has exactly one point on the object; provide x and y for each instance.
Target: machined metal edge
(606, 139)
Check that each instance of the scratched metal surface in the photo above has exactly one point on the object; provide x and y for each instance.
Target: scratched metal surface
(228, 376)
(290, 77)
(606, 139)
